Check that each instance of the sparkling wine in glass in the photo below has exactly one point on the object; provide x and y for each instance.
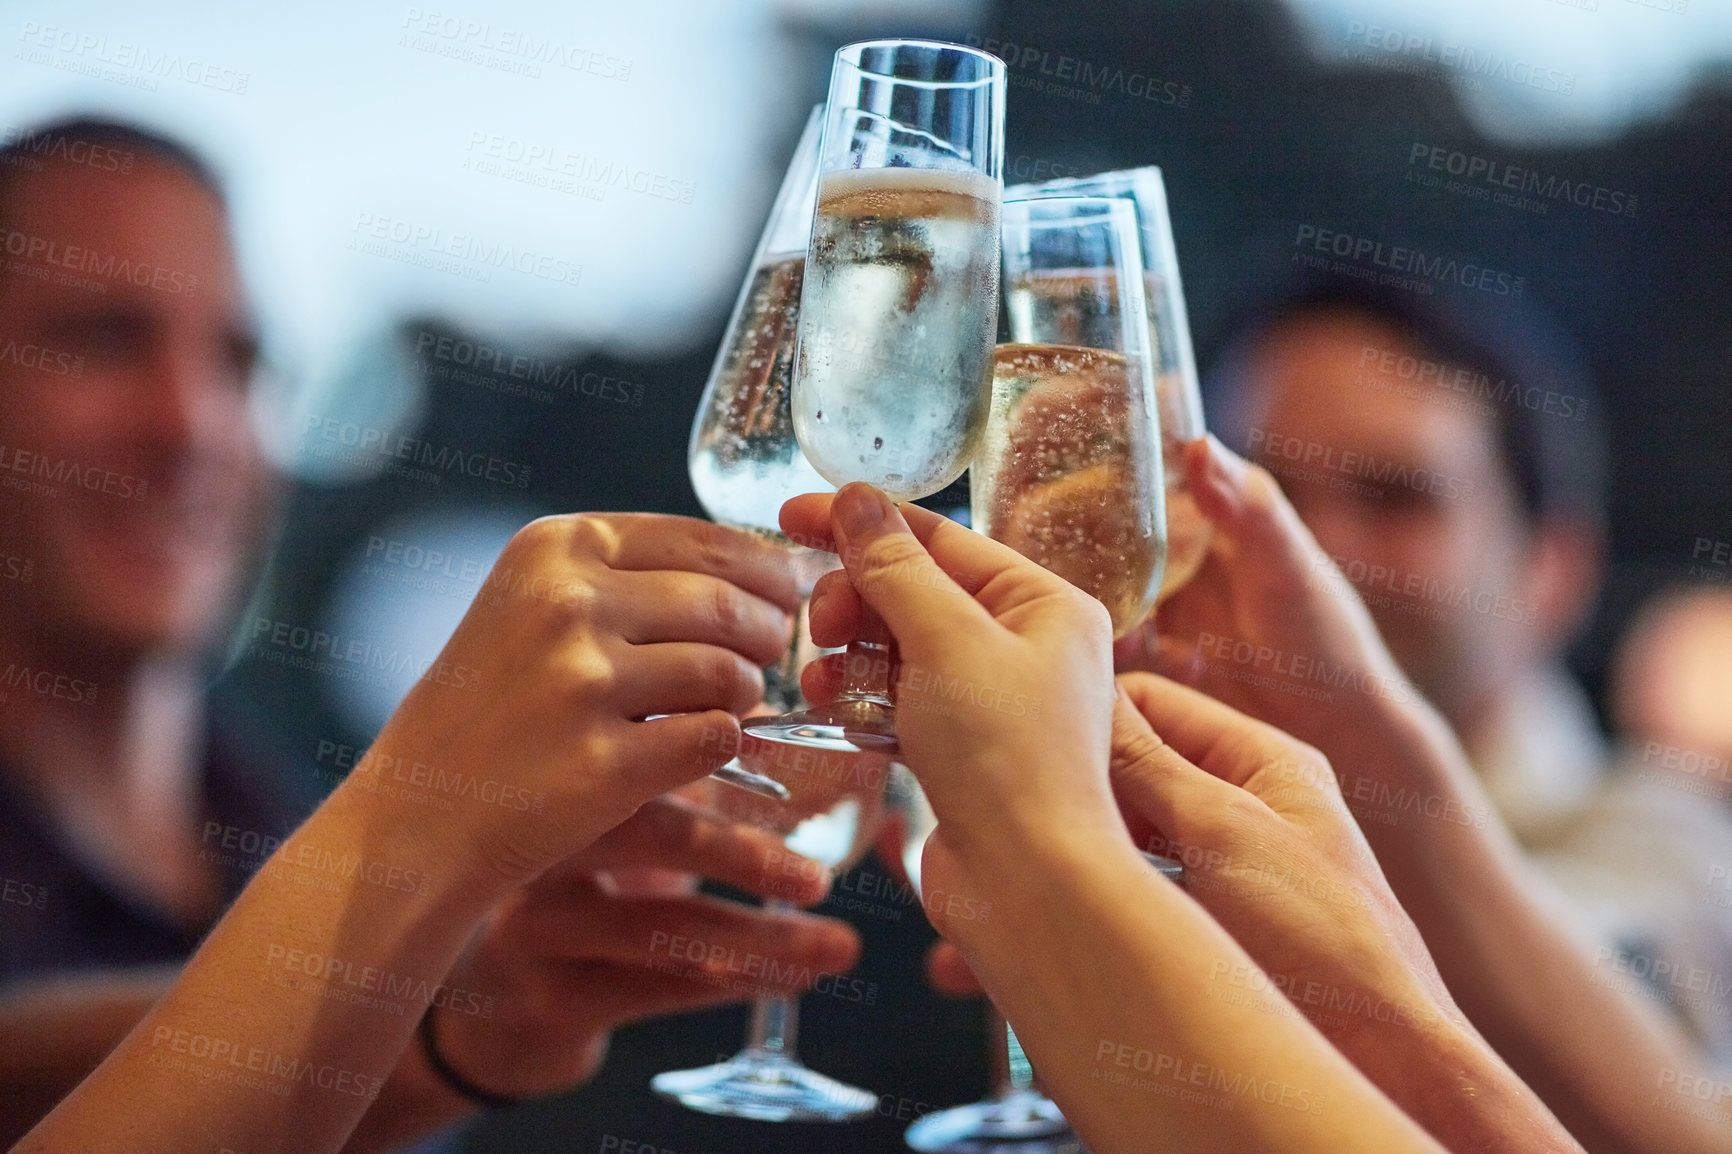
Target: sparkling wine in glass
(897, 327)
(829, 808)
(1069, 473)
(743, 458)
(1181, 402)
(892, 373)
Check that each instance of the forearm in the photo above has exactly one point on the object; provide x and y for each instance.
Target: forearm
(1600, 1060)
(54, 1032)
(1104, 970)
(248, 1050)
(1433, 1065)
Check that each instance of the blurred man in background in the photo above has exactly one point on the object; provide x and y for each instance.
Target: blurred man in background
(137, 494)
(1452, 468)
(134, 506)
(1448, 458)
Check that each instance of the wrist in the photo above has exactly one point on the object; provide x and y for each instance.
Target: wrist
(1021, 873)
(453, 1080)
(393, 844)
(1374, 729)
(1445, 1077)
(1389, 1019)
(1000, 845)
(1400, 769)
(468, 811)
(1408, 1060)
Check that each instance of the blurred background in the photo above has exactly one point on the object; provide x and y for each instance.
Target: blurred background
(516, 230)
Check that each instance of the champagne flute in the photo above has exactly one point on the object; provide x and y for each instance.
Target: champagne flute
(1069, 473)
(1181, 402)
(743, 459)
(892, 374)
(829, 810)
(744, 463)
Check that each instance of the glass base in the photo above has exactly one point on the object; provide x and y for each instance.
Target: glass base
(736, 774)
(1022, 1121)
(767, 1087)
(840, 727)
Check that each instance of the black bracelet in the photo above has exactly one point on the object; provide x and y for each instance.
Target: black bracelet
(457, 1082)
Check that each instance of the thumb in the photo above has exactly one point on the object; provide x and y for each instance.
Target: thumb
(894, 574)
(1151, 779)
(1247, 506)
(1269, 546)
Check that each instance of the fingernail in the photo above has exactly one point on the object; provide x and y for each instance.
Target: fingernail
(858, 508)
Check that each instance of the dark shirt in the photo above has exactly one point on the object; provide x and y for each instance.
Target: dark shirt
(57, 914)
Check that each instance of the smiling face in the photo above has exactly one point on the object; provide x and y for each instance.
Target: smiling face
(1408, 492)
(135, 488)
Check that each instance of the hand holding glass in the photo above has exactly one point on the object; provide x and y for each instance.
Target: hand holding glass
(893, 368)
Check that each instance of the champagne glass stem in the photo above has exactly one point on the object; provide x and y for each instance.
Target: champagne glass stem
(1012, 1072)
(775, 1019)
(775, 1022)
(998, 1046)
(1017, 1065)
(866, 672)
(782, 680)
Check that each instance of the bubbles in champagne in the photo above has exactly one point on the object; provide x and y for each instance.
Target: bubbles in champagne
(745, 461)
(1081, 308)
(900, 308)
(1069, 477)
